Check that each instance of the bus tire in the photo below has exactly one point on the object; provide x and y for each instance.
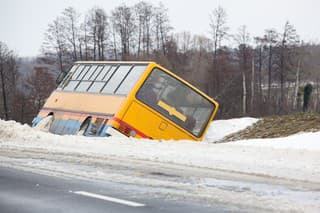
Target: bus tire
(84, 127)
(45, 124)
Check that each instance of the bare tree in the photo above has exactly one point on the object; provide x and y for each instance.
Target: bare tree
(22, 107)
(288, 42)
(260, 42)
(55, 44)
(102, 33)
(243, 39)
(70, 18)
(219, 30)
(8, 77)
(84, 39)
(270, 38)
(310, 71)
(184, 41)
(114, 40)
(144, 13)
(96, 33)
(124, 24)
(296, 86)
(162, 28)
(41, 84)
(253, 76)
(199, 49)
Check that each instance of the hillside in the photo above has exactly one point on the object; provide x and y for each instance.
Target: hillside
(279, 126)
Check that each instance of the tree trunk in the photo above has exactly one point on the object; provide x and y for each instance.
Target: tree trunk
(4, 95)
(252, 85)
(80, 51)
(244, 96)
(282, 81)
(74, 45)
(260, 79)
(269, 72)
(139, 38)
(86, 43)
(296, 86)
(60, 61)
(317, 96)
(94, 44)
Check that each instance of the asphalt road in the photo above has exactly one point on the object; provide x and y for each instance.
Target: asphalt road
(25, 191)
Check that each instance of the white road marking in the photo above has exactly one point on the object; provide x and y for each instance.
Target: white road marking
(111, 199)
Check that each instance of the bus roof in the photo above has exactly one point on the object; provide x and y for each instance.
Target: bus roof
(147, 63)
(114, 62)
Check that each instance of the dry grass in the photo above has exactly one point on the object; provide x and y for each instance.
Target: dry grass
(279, 126)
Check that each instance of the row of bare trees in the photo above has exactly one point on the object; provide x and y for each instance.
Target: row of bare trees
(22, 96)
(126, 32)
(248, 76)
(8, 79)
(267, 65)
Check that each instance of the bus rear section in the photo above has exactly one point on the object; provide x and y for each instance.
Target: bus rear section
(164, 106)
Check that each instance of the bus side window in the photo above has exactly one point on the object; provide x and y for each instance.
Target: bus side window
(130, 80)
(84, 71)
(64, 81)
(116, 79)
(96, 73)
(71, 85)
(90, 72)
(77, 72)
(64, 77)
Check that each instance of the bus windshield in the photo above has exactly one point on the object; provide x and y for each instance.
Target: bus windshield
(176, 101)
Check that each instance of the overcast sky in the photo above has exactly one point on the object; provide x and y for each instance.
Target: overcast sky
(23, 22)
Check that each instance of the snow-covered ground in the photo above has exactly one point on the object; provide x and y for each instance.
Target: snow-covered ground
(296, 156)
(221, 128)
(293, 158)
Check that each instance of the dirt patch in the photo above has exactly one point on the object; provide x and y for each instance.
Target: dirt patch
(279, 126)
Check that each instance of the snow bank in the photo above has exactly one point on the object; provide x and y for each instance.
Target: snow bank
(302, 141)
(294, 157)
(221, 128)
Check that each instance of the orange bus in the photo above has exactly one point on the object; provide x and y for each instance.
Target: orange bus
(137, 99)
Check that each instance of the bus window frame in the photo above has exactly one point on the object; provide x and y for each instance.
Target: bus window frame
(107, 81)
(124, 80)
(165, 116)
(80, 75)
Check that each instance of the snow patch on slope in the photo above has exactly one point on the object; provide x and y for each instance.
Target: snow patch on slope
(303, 141)
(222, 128)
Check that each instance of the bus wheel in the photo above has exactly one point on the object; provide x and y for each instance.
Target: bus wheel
(45, 123)
(84, 126)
